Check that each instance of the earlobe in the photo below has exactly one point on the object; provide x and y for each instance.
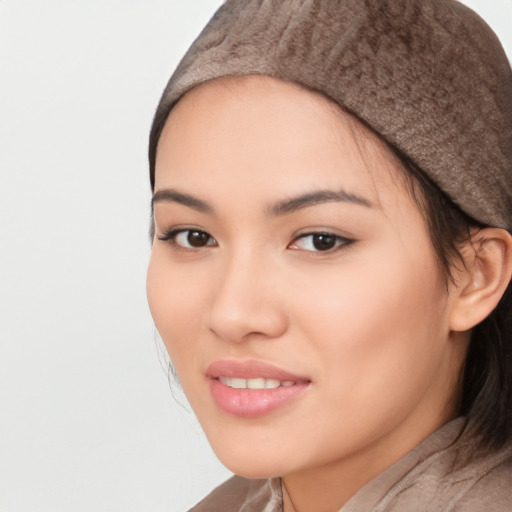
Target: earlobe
(483, 279)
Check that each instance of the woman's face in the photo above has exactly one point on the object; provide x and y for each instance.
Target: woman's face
(294, 284)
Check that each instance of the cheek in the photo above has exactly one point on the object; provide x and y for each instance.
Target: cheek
(176, 304)
(376, 321)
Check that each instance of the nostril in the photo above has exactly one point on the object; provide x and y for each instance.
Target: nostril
(247, 322)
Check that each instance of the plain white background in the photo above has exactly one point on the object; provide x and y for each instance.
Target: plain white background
(87, 420)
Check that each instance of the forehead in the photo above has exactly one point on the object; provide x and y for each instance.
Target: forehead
(258, 130)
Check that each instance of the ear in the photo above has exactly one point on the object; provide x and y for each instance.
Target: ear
(482, 280)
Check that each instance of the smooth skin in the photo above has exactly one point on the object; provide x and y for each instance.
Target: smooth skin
(365, 313)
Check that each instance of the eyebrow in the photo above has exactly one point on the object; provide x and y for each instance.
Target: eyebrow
(280, 208)
(173, 196)
(314, 198)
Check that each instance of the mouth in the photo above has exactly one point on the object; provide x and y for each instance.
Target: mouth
(249, 389)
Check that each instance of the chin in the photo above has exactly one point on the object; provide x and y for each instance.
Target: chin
(254, 469)
(247, 463)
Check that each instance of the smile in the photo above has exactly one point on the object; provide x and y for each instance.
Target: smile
(251, 389)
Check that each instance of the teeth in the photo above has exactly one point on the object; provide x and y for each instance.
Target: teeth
(272, 383)
(258, 383)
(238, 383)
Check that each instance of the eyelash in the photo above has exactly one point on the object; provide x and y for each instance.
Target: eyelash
(339, 241)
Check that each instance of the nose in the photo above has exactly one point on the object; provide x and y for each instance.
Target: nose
(246, 302)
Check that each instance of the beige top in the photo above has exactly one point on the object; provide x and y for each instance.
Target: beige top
(442, 474)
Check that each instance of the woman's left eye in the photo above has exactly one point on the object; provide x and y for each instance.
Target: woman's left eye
(319, 242)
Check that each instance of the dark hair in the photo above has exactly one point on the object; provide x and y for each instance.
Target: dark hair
(485, 393)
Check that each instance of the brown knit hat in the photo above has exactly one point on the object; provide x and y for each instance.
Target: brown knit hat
(429, 76)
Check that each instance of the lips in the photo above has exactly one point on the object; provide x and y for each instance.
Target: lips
(250, 389)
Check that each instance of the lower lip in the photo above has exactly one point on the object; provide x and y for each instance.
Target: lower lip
(252, 403)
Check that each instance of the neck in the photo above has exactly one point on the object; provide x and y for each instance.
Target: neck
(328, 487)
(322, 489)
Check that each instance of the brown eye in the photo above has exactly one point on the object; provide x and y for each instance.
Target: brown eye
(324, 242)
(197, 238)
(320, 242)
(188, 238)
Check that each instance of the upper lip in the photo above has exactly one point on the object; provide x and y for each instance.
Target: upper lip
(250, 370)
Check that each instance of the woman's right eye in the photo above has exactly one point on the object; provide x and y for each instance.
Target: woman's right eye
(188, 238)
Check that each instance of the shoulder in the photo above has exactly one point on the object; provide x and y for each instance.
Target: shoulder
(240, 493)
(490, 485)
(459, 480)
(448, 472)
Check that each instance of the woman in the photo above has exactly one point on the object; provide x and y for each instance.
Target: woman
(332, 255)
